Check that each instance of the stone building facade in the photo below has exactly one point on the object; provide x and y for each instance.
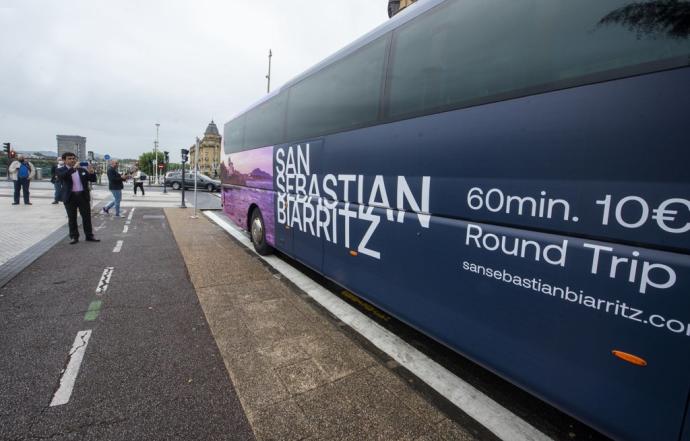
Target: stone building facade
(209, 152)
(72, 143)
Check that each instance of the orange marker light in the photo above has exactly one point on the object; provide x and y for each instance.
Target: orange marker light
(353, 253)
(630, 358)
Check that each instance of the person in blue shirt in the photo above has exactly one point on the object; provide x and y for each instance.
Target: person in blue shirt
(21, 172)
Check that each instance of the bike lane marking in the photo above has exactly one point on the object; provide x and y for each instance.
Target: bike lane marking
(118, 246)
(93, 311)
(105, 280)
(69, 374)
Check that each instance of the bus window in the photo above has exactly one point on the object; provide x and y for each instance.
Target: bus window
(234, 135)
(264, 124)
(341, 96)
(475, 51)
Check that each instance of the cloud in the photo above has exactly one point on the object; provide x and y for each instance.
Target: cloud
(110, 70)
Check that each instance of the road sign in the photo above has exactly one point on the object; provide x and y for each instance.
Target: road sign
(106, 157)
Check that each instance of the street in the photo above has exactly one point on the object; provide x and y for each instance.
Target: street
(151, 369)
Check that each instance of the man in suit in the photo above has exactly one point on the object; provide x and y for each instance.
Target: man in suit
(76, 196)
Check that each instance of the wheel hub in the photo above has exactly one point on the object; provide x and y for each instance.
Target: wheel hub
(257, 230)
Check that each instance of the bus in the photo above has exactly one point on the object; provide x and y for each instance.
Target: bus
(509, 177)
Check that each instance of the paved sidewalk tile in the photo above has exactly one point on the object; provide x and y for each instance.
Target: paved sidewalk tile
(297, 374)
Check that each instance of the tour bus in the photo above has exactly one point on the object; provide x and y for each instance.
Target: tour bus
(511, 178)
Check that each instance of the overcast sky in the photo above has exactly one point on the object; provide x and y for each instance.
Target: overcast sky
(110, 70)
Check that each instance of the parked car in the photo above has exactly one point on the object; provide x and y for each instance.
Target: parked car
(174, 179)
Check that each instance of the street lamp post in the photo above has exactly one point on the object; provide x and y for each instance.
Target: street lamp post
(196, 173)
(155, 153)
(184, 153)
(166, 159)
(268, 77)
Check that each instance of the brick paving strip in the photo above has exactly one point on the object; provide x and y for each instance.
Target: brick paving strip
(298, 375)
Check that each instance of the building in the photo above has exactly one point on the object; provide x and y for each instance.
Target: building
(72, 143)
(209, 152)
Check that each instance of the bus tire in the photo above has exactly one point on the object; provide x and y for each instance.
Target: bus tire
(257, 231)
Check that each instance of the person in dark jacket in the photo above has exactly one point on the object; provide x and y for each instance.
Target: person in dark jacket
(115, 185)
(57, 183)
(75, 195)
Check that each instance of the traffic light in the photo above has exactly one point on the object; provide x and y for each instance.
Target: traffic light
(167, 157)
(6, 148)
(185, 155)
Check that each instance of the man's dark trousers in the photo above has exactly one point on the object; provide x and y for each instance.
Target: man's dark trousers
(23, 184)
(79, 201)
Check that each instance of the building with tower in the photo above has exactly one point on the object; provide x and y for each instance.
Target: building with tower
(72, 143)
(208, 156)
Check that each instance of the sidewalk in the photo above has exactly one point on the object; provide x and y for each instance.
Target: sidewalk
(299, 375)
(24, 226)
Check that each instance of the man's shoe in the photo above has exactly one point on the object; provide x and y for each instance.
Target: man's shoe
(15, 203)
(28, 203)
(104, 210)
(74, 240)
(56, 202)
(92, 239)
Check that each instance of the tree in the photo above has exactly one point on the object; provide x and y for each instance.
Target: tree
(146, 162)
(653, 19)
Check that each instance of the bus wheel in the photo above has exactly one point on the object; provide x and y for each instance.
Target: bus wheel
(258, 233)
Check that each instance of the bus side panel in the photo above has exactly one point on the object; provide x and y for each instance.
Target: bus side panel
(686, 431)
(616, 154)
(248, 179)
(298, 206)
(544, 321)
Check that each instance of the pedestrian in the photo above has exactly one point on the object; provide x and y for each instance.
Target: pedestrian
(138, 182)
(115, 185)
(21, 172)
(57, 183)
(76, 196)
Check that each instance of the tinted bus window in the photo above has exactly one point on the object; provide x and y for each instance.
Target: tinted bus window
(472, 51)
(264, 123)
(234, 135)
(343, 95)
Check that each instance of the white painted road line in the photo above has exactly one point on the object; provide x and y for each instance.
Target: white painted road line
(118, 246)
(497, 419)
(129, 218)
(69, 375)
(105, 280)
(125, 229)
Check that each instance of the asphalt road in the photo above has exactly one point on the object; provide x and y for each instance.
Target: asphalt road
(150, 370)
